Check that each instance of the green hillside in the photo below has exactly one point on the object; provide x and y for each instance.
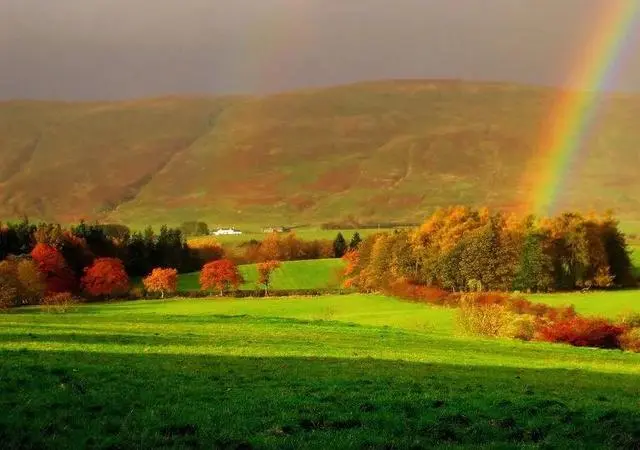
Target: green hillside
(310, 274)
(375, 151)
(346, 372)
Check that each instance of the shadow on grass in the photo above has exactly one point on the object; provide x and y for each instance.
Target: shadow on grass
(106, 400)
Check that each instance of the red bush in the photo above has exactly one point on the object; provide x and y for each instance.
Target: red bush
(106, 276)
(582, 332)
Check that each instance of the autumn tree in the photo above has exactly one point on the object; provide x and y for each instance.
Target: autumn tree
(161, 280)
(221, 275)
(106, 276)
(265, 271)
(51, 263)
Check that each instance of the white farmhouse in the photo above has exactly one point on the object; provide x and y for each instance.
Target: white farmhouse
(226, 232)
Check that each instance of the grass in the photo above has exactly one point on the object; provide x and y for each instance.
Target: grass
(597, 303)
(331, 372)
(309, 274)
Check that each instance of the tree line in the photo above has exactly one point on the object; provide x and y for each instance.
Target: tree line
(466, 249)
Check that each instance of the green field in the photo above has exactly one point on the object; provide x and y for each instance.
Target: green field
(330, 372)
(309, 274)
(598, 303)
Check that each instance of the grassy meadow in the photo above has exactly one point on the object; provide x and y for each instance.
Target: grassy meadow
(309, 274)
(327, 372)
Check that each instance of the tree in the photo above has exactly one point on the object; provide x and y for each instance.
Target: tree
(265, 270)
(106, 276)
(339, 246)
(355, 241)
(51, 263)
(221, 275)
(161, 280)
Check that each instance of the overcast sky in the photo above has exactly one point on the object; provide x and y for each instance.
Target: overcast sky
(103, 49)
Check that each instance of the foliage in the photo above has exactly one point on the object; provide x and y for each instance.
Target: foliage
(630, 340)
(355, 241)
(61, 302)
(582, 332)
(221, 275)
(161, 280)
(51, 263)
(339, 246)
(462, 249)
(265, 271)
(21, 283)
(105, 277)
(194, 228)
(482, 320)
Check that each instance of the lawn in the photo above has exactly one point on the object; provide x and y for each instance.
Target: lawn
(308, 274)
(326, 372)
(598, 303)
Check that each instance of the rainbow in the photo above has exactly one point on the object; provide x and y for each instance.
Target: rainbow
(574, 113)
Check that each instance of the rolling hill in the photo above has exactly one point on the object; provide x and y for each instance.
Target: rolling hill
(390, 150)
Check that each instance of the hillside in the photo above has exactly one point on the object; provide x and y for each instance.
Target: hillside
(377, 151)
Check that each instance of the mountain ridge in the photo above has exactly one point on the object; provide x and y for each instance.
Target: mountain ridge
(381, 150)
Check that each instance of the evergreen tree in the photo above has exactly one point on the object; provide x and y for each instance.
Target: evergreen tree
(355, 241)
(339, 246)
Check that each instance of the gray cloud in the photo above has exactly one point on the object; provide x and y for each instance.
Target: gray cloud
(88, 49)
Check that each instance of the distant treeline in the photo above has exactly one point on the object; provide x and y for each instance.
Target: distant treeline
(463, 249)
(81, 244)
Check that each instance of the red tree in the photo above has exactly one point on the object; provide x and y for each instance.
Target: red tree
(161, 280)
(221, 275)
(58, 276)
(265, 270)
(106, 276)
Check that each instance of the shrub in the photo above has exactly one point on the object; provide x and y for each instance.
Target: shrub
(630, 320)
(630, 340)
(106, 276)
(582, 332)
(484, 320)
(161, 280)
(520, 326)
(136, 293)
(32, 283)
(58, 303)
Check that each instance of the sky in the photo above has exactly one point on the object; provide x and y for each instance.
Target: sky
(113, 49)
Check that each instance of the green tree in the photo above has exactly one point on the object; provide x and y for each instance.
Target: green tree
(355, 241)
(339, 246)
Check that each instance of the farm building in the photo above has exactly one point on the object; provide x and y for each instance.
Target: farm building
(226, 231)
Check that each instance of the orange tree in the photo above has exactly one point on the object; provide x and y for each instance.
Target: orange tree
(265, 270)
(161, 280)
(106, 276)
(220, 275)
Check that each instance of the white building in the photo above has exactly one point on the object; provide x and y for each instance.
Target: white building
(226, 231)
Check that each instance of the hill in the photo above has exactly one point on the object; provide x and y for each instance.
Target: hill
(375, 151)
(346, 372)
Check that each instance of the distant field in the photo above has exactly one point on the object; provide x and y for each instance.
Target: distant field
(347, 372)
(598, 303)
(307, 234)
(311, 274)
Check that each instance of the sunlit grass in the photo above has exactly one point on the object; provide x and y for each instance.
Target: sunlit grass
(319, 372)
